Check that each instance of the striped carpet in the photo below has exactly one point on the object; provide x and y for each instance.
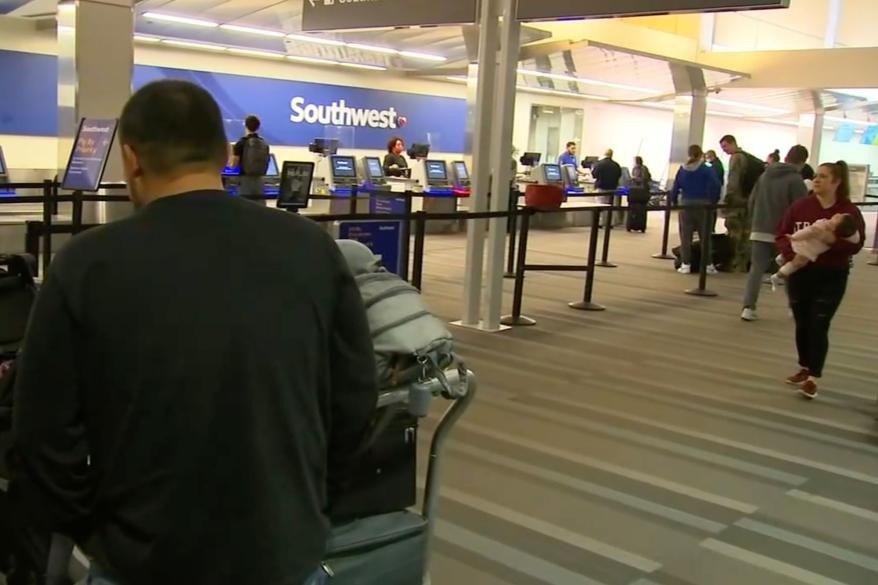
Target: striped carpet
(653, 444)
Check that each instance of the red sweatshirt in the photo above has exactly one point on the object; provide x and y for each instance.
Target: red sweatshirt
(806, 211)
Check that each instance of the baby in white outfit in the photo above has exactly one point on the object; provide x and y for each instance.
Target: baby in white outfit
(810, 242)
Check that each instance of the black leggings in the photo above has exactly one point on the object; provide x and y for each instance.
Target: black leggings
(815, 294)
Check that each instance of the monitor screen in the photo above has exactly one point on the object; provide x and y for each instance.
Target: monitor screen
(418, 150)
(295, 185)
(344, 167)
(870, 135)
(553, 173)
(88, 157)
(373, 168)
(436, 170)
(589, 161)
(571, 174)
(531, 159)
(461, 171)
(272, 170)
(3, 170)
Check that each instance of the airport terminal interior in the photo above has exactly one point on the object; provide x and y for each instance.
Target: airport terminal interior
(629, 420)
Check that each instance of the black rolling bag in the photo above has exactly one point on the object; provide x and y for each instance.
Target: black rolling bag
(638, 201)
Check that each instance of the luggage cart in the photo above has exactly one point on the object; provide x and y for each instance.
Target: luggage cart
(388, 549)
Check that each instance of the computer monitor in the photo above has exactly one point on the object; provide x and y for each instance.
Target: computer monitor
(589, 161)
(571, 176)
(530, 159)
(373, 168)
(272, 170)
(437, 171)
(88, 157)
(295, 185)
(344, 168)
(324, 146)
(4, 170)
(552, 173)
(460, 171)
(418, 150)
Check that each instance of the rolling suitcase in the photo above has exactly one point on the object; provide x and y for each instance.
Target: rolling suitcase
(636, 221)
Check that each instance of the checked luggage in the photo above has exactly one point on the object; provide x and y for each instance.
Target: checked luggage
(638, 203)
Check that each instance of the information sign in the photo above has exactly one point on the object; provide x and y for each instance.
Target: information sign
(384, 238)
(88, 159)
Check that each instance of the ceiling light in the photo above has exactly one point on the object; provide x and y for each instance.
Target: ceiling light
(723, 114)
(318, 40)
(311, 60)
(586, 80)
(423, 56)
(193, 45)
(571, 94)
(747, 106)
(850, 121)
(373, 48)
(143, 39)
(180, 19)
(257, 53)
(253, 31)
(363, 66)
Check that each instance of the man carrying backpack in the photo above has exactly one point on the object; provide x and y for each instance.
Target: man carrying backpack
(251, 155)
(744, 170)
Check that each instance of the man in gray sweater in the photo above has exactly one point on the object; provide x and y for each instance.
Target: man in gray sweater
(776, 190)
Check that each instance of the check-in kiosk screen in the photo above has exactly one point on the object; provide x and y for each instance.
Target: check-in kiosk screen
(344, 167)
(272, 167)
(373, 168)
(553, 173)
(436, 170)
(295, 185)
(3, 171)
(461, 171)
(570, 170)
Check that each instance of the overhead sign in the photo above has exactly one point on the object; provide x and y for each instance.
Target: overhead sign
(552, 9)
(88, 159)
(318, 15)
(340, 114)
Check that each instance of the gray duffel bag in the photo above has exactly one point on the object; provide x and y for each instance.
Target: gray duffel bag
(390, 549)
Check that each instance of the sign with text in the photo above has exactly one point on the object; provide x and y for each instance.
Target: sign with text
(320, 15)
(88, 159)
(551, 9)
(384, 238)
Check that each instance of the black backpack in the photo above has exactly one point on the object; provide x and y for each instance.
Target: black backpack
(753, 169)
(255, 157)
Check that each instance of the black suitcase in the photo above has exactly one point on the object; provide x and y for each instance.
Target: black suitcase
(722, 253)
(636, 220)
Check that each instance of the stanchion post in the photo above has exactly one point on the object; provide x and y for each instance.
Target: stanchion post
(418, 260)
(586, 304)
(407, 239)
(47, 224)
(874, 260)
(32, 241)
(76, 220)
(608, 227)
(516, 318)
(512, 226)
(706, 225)
(666, 229)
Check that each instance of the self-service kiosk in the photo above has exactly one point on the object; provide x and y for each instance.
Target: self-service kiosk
(549, 174)
(460, 178)
(571, 180)
(343, 173)
(373, 174)
(436, 180)
(4, 176)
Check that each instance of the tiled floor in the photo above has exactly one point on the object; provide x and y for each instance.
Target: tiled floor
(654, 444)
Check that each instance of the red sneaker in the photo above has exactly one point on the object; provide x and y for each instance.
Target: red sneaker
(799, 378)
(808, 389)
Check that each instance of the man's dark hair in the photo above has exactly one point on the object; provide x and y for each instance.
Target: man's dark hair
(847, 227)
(728, 138)
(571, 143)
(252, 123)
(797, 155)
(808, 172)
(172, 124)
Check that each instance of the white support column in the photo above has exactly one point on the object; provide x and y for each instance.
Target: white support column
(707, 32)
(501, 154)
(833, 17)
(481, 172)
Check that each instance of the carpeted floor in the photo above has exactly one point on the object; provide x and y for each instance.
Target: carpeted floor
(654, 443)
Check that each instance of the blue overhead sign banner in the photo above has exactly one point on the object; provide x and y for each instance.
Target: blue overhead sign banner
(88, 159)
(7, 6)
(293, 113)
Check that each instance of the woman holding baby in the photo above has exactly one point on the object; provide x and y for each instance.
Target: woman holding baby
(832, 232)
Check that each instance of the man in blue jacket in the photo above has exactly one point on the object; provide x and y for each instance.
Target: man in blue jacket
(695, 185)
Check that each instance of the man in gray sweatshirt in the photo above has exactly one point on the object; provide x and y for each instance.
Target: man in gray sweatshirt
(776, 190)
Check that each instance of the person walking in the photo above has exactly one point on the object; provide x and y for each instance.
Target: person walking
(640, 175)
(251, 155)
(744, 170)
(695, 186)
(779, 187)
(816, 291)
(188, 396)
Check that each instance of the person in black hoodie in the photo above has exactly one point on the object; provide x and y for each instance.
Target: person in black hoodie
(195, 377)
(607, 173)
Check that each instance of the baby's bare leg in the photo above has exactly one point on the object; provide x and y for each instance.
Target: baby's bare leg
(793, 265)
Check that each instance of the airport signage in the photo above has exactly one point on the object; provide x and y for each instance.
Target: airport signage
(384, 238)
(553, 9)
(321, 15)
(340, 114)
(88, 159)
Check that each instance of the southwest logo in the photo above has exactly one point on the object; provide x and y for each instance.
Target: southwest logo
(340, 114)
